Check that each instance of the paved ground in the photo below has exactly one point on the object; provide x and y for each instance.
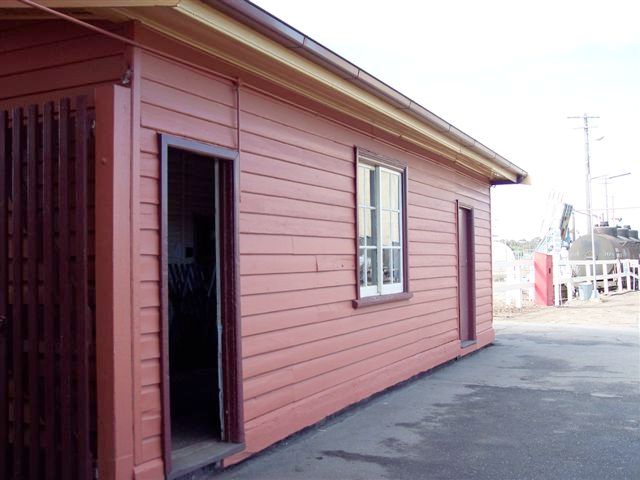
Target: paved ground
(550, 399)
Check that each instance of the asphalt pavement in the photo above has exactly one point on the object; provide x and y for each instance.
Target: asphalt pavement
(548, 400)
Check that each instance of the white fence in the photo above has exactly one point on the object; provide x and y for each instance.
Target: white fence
(519, 278)
(518, 281)
(614, 274)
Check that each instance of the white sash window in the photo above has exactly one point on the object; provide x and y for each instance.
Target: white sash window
(380, 229)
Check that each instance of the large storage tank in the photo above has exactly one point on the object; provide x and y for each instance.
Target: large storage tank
(611, 243)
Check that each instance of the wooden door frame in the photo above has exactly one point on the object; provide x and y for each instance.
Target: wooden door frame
(229, 182)
(472, 283)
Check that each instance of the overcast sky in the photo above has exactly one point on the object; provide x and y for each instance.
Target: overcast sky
(508, 74)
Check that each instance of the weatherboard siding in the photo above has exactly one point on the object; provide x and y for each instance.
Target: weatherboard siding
(307, 352)
(51, 59)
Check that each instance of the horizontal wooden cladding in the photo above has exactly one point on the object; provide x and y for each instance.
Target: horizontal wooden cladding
(391, 350)
(64, 52)
(434, 260)
(340, 311)
(430, 236)
(349, 329)
(63, 77)
(287, 300)
(164, 120)
(301, 362)
(417, 273)
(302, 337)
(22, 37)
(426, 213)
(180, 101)
(270, 167)
(289, 189)
(269, 264)
(275, 425)
(276, 225)
(289, 245)
(187, 79)
(288, 207)
(281, 129)
(268, 147)
(150, 320)
(270, 283)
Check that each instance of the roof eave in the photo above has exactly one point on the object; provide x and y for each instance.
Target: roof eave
(287, 35)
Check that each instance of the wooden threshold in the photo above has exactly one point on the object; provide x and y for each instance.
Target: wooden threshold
(201, 454)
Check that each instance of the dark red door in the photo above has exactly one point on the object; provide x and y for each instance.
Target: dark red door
(466, 274)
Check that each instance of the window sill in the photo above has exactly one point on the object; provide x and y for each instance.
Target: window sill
(381, 299)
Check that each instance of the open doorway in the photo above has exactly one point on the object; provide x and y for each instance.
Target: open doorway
(195, 328)
(202, 422)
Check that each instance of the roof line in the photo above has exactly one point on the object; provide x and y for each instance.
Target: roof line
(290, 37)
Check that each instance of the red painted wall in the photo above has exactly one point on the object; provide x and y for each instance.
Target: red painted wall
(52, 59)
(307, 351)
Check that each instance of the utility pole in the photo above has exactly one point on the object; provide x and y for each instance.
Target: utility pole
(587, 165)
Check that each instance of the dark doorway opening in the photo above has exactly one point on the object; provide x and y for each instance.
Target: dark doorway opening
(195, 328)
(466, 275)
(201, 361)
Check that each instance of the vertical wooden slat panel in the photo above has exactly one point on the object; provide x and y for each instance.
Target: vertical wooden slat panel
(48, 291)
(81, 291)
(65, 291)
(46, 319)
(4, 285)
(16, 216)
(32, 289)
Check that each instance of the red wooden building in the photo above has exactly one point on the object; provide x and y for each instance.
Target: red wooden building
(222, 232)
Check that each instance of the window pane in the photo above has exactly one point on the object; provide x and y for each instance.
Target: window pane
(361, 261)
(372, 267)
(361, 226)
(370, 226)
(361, 183)
(395, 229)
(397, 264)
(366, 185)
(385, 226)
(369, 187)
(386, 266)
(385, 179)
(395, 192)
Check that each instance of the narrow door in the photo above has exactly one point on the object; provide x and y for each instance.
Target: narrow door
(466, 275)
(200, 368)
(194, 298)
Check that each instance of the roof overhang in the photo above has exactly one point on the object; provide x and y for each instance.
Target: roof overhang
(254, 41)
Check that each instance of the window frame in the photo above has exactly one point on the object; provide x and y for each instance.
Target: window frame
(398, 291)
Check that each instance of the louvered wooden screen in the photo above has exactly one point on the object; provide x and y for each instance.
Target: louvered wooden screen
(47, 366)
